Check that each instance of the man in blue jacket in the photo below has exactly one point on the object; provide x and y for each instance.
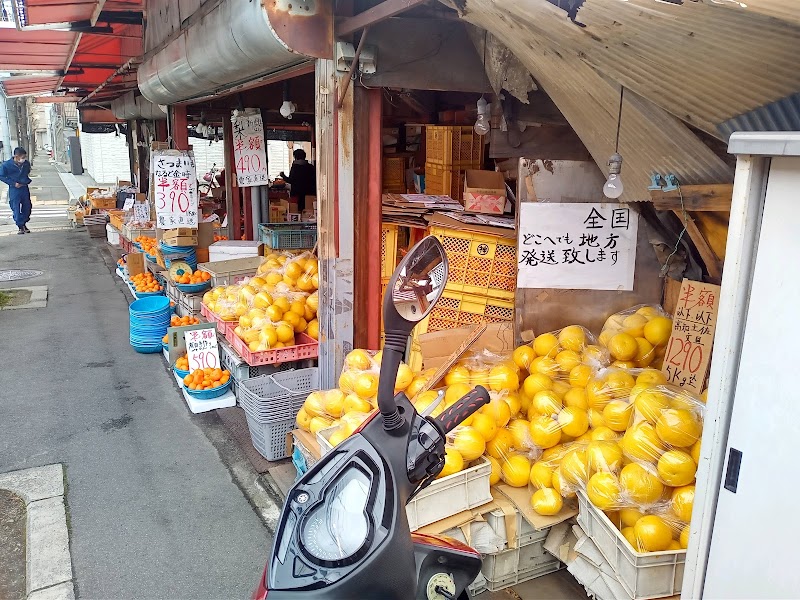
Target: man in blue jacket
(16, 174)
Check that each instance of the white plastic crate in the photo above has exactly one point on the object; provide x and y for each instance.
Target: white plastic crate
(478, 586)
(643, 575)
(542, 567)
(191, 303)
(525, 531)
(450, 495)
(112, 235)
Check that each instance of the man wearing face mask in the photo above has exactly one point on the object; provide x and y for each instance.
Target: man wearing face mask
(15, 172)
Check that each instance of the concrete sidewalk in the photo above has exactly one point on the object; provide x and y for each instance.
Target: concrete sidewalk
(152, 507)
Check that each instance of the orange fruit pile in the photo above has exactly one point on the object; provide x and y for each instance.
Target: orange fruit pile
(148, 244)
(206, 379)
(219, 238)
(196, 277)
(182, 363)
(145, 282)
(177, 321)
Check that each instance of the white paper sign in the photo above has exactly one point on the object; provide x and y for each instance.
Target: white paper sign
(249, 150)
(129, 202)
(202, 349)
(175, 188)
(141, 212)
(577, 246)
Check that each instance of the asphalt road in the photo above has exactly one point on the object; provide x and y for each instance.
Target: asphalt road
(152, 509)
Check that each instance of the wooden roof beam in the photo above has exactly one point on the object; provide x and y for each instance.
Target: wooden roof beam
(376, 14)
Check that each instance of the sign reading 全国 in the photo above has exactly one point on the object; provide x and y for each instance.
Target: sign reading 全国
(577, 246)
(249, 150)
(174, 187)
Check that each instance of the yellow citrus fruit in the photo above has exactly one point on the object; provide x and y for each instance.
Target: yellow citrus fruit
(634, 324)
(573, 421)
(658, 330)
(500, 446)
(485, 425)
(337, 437)
(674, 545)
(334, 403)
(404, 377)
(695, 452)
(646, 353)
(318, 424)
(606, 335)
(536, 382)
(684, 538)
(499, 410)
(423, 400)
(561, 486)
(576, 397)
(623, 346)
(624, 364)
(285, 332)
(547, 502)
(494, 478)
(355, 403)
(519, 429)
(704, 396)
(676, 468)
(620, 382)
(603, 490)
(455, 392)
(453, 462)
(640, 485)
(503, 378)
(567, 360)
(469, 443)
(596, 419)
(561, 387)
(546, 345)
(458, 374)
(416, 386)
(514, 403)
(580, 375)
(574, 467)
(545, 403)
(613, 516)
(683, 502)
(648, 311)
(593, 354)
(628, 516)
(522, 356)
(366, 385)
(516, 470)
(541, 475)
(630, 536)
(603, 456)
(572, 338)
(313, 329)
(652, 533)
(544, 365)
(650, 403)
(545, 431)
(618, 415)
(651, 377)
(303, 419)
(315, 404)
(678, 427)
(598, 394)
(479, 377)
(603, 434)
(641, 442)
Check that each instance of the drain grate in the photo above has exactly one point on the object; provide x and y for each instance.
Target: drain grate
(17, 274)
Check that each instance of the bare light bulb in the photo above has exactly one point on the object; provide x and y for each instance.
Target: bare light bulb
(613, 187)
(287, 108)
(482, 125)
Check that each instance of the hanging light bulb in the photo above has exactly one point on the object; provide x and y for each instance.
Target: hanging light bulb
(287, 109)
(613, 187)
(482, 125)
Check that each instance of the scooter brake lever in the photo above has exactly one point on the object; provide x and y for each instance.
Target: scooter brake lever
(432, 406)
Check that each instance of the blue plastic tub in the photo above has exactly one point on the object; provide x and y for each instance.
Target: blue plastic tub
(181, 373)
(146, 349)
(148, 294)
(149, 305)
(193, 288)
(209, 394)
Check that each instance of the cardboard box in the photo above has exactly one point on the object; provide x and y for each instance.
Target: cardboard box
(205, 234)
(484, 192)
(439, 347)
(278, 209)
(232, 249)
(202, 255)
(182, 236)
(135, 263)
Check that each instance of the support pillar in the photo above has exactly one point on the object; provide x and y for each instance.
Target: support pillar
(180, 127)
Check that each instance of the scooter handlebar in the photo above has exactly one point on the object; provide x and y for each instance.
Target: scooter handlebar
(462, 409)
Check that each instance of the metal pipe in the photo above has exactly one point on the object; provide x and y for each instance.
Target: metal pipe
(353, 66)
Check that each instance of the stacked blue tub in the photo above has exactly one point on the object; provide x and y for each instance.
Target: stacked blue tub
(185, 254)
(149, 320)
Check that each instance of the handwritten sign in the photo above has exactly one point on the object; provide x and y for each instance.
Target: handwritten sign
(202, 349)
(249, 150)
(141, 212)
(129, 200)
(688, 351)
(175, 188)
(577, 246)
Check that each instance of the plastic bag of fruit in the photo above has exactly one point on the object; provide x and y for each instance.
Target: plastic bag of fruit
(264, 334)
(323, 408)
(638, 336)
(654, 529)
(298, 271)
(343, 427)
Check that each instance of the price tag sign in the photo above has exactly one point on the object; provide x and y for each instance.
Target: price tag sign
(129, 202)
(202, 349)
(249, 150)
(688, 351)
(141, 212)
(174, 188)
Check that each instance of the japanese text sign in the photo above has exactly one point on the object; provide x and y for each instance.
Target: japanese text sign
(577, 246)
(249, 150)
(141, 212)
(129, 200)
(174, 188)
(689, 348)
(202, 349)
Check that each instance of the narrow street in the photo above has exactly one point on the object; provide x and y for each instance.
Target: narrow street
(153, 511)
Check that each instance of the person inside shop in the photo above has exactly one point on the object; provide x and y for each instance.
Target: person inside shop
(15, 172)
(303, 179)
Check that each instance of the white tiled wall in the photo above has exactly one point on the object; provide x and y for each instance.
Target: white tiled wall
(105, 157)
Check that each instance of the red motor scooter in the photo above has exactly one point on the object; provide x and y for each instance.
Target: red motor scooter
(343, 533)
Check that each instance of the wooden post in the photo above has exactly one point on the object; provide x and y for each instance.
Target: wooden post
(180, 127)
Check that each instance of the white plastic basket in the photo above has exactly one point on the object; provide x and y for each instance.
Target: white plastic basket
(450, 495)
(643, 575)
(516, 565)
(525, 531)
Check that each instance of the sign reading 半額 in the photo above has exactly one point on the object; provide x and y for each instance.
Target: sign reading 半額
(576, 246)
(201, 348)
(688, 351)
(249, 150)
(174, 188)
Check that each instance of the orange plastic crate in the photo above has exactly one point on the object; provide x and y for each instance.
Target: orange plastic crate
(455, 309)
(394, 175)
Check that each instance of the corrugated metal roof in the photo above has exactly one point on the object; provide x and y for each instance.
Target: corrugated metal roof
(651, 139)
(783, 115)
(26, 86)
